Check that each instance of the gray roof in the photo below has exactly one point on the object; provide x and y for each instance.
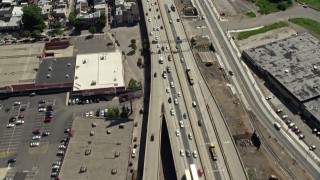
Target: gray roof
(313, 107)
(59, 71)
(294, 62)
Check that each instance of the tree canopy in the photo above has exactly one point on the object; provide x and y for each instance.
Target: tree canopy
(32, 18)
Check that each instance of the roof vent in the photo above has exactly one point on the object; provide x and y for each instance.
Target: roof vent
(84, 61)
(69, 64)
(67, 75)
(48, 75)
(315, 67)
(315, 86)
(101, 57)
(50, 68)
(286, 71)
(54, 60)
(93, 83)
(76, 77)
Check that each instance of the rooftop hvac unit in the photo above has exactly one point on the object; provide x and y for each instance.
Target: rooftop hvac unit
(84, 61)
(69, 64)
(102, 58)
(48, 75)
(67, 75)
(315, 67)
(54, 60)
(286, 71)
(93, 83)
(50, 68)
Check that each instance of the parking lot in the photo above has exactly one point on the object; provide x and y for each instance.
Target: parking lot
(29, 126)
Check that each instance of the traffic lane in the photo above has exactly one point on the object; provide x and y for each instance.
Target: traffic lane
(179, 116)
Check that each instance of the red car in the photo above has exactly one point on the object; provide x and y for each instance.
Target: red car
(21, 116)
(48, 119)
(36, 131)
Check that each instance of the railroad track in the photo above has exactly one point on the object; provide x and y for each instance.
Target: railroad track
(269, 150)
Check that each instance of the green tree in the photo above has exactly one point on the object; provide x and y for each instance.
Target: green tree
(32, 18)
(133, 46)
(15, 35)
(36, 33)
(110, 113)
(79, 24)
(92, 30)
(55, 25)
(116, 112)
(26, 33)
(59, 31)
(133, 41)
(72, 18)
(124, 114)
(145, 44)
(133, 84)
(101, 21)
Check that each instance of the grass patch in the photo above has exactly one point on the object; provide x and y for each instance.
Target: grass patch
(270, 6)
(250, 14)
(307, 23)
(312, 3)
(246, 34)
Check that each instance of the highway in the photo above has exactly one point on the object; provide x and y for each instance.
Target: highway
(251, 97)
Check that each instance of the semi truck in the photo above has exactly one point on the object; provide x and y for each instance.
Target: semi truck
(213, 151)
(190, 77)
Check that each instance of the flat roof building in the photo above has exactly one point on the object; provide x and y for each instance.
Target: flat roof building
(98, 151)
(292, 65)
(98, 72)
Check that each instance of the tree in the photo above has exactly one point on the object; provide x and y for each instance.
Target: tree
(133, 46)
(55, 25)
(15, 35)
(72, 18)
(92, 30)
(101, 21)
(32, 18)
(124, 114)
(26, 33)
(59, 31)
(116, 112)
(35, 33)
(110, 113)
(133, 41)
(133, 84)
(145, 44)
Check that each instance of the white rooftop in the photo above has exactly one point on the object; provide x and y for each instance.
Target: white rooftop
(98, 70)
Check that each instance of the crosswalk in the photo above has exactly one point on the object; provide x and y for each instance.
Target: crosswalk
(26, 175)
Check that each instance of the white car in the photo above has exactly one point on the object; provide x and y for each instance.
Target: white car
(279, 110)
(151, 33)
(151, 4)
(19, 122)
(36, 137)
(87, 114)
(167, 47)
(190, 136)
(102, 113)
(172, 112)
(176, 101)
(182, 60)
(55, 167)
(157, 38)
(10, 125)
(149, 20)
(181, 124)
(181, 152)
(57, 163)
(164, 76)
(179, 94)
(195, 154)
(42, 109)
(171, 85)
(168, 90)
(284, 116)
(34, 144)
(170, 21)
(177, 133)
(268, 98)
(91, 113)
(62, 146)
(158, 45)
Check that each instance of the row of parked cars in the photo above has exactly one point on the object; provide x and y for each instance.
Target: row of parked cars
(83, 101)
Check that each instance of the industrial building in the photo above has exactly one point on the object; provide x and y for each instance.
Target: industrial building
(292, 66)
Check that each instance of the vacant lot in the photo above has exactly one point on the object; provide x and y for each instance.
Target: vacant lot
(307, 23)
(270, 6)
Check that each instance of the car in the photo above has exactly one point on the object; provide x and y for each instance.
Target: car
(47, 120)
(49, 116)
(315, 130)
(133, 153)
(167, 47)
(169, 100)
(87, 114)
(45, 134)
(195, 154)
(172, 112)
(64, 140)
(22, 109)
(181, 152)
(34, 144)
(158, 28)
(164, 75)
(169, 57)
(55, 167)
(294, 128)
(288, 121)
(278, 110)
(19, 122)
(176, 101)
(57, 163)
(185, 115)
(284, 116)
(151, 33)
(194, 104)
(53, 174)
(17, 103)
(188, 153)
(305, 6)
(291, 125)
(36, 131)
(177, 133)
(91, 113)
(170, 21)
(60, 153)
(42, 109)
(181, 124)
(190, 136)
(200, 122)
(21, 116)
(167, 89)
(149, 20)
(171, 84)
(178, 19)
(298, 131)
(277, 125)
(268, 98)
(158, 46)
(152, 137)
(67, 130)
(312, 147)
(151, 4)
(156, 38)
(12, 119)
(149, 9)
(10, 125)
(179, 94)
(62, 147)
(12, 160)
(102, 113)
(301, 136)
(231, 73)
(36, 137)
(168, 69)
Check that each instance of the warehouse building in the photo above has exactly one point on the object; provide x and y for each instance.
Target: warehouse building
(292, 66)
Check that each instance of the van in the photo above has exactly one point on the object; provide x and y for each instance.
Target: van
(194, 104)
(277, 126)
